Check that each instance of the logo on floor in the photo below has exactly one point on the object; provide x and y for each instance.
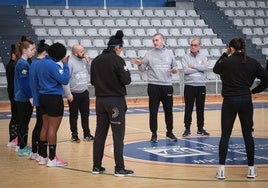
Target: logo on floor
(198, 150)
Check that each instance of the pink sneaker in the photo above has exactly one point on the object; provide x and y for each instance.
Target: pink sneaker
(56, 162)
(13, 143)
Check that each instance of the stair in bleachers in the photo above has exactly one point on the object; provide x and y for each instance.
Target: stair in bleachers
(224, 27)
(13, 24)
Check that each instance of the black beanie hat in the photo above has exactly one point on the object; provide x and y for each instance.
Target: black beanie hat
(57, 51)
(117, 39)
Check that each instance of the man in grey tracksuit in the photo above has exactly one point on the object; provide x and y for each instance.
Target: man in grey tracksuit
(160, 64)
(77, 92)
(194, 66)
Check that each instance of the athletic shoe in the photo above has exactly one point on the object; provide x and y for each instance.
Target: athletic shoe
(42, 160)
(56, 162)
(123, 172)
(154, 138)
(24, 152)
(251, 172)
(33, 156)
(203, 132)
(221, 172)
(186, 133)
(89, 138)
(17, 148)
(75, 139)
(98, 170)
(13, 143)
(171, 137)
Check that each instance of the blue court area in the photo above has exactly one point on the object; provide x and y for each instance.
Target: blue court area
(196, 151)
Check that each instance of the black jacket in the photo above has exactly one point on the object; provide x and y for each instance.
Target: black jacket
(237, 77)
(109, 75)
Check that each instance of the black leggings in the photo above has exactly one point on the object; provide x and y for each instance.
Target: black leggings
(231, 106)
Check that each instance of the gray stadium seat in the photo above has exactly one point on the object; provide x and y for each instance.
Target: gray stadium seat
(30, 12)
(128, 32)
(91, 13)
(126, 13)
(92, 32)
(151, 31)
(67, 13)
(170, 13)
(67, 32)
(55, 12)
(167, 22)
(159, 13)
(148, 12)
(140, 32)
(174, 32)
(79, 13)
(109, 22)
(92, 53)
(102, 13)
(135, 43)
(36, 22)
(121, 22)
(104, 32)
(114, 13)
(61, 22)
(86, 42)
(48, 22)
(54, 32)
(73, 22)
(147, 43)
(80, 32)
(71, 42)
(43, 12)
(41, 32)
(85, 22)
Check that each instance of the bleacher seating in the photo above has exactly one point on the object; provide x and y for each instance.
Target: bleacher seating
(92, 26)
(249, 18)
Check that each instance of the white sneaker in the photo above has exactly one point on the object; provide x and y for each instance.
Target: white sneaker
(251, 172)
(42, 160)
(33, 156)
(17, 148)
(13, 143)
(56, 162)
(221, 172)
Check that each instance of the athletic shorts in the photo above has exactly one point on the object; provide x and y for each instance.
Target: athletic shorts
(52, 105)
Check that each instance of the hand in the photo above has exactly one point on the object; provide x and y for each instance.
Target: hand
(136, 61)
(204, 63)
(173, 70)
(65, 59)
(191, 65)
(70, 98)
(31, 101)
(87, 58)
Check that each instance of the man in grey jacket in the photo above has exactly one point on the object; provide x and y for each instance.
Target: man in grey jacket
(194, 67)
(77, 92)
(160, 63)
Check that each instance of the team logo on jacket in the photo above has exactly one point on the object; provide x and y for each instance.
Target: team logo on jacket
(24, 71)
(125, 67)
(61, 71)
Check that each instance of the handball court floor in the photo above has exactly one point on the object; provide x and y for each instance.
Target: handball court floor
(21, 172)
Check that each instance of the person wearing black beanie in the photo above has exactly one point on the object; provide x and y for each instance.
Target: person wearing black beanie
(109, 76)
